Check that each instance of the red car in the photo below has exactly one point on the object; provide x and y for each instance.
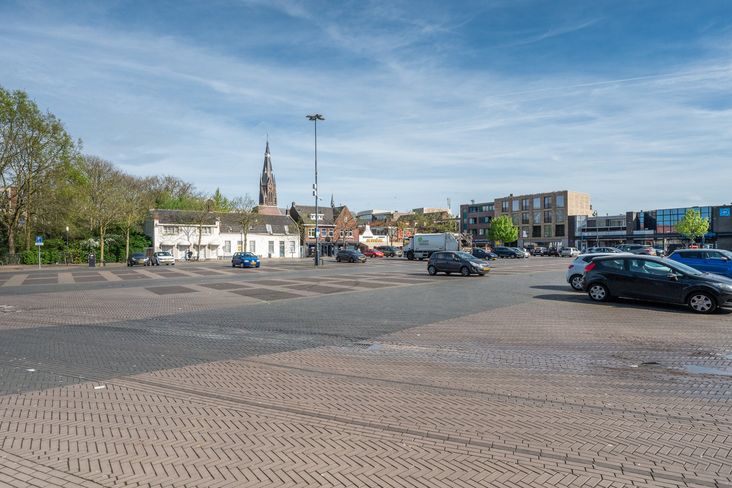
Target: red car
(373, 253)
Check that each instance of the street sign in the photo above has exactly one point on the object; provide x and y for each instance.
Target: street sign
(724, 212)
(39, 240)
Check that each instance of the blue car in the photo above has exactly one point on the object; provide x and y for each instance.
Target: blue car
(717, 261)
(245, 260)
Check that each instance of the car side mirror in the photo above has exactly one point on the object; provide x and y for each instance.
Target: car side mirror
(674, 276)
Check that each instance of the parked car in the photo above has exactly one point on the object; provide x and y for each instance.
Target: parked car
(552, 251)
(523, 252)
(390, 251)
(717, 261)
(461, 262)
(507, 252)
(162, 257)
(659, 251)
(539, 251)
(138, 259)
(655, 279)
(638, 249)
(350, 256)
(569, 252)
(373, 253)
(245, 260)
(600, 249)
(483, 254)
(576, 270)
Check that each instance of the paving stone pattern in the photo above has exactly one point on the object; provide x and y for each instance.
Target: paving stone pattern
(360, 375)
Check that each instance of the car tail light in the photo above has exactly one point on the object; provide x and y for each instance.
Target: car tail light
(590, 267)
(570, 266)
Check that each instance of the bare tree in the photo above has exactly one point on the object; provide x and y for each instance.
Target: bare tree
(202, 215)
(132, 207)
(246, 216)
(103, 197)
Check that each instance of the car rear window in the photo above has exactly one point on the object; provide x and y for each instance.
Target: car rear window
(688, 254)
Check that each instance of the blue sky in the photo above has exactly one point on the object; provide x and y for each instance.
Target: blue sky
(424, 101)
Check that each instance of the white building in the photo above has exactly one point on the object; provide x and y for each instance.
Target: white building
(179, 231)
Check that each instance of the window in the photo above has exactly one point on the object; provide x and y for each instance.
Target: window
(525, 218)
(481, 232)
(238, 246)
(548, 217)
(269, 228)
(560, 201)
(548, 202)
(504, 206)
(525, 204)
(471, 220)
(537, 202)
(227, 247)
(524, 232)
(515, 205)
(170, 230)
(292, 248)
(613, 264)
(536, 231)
(287, 229)
(560, 230)
(252, 246)
(548, 231)
(487, 208)
(649, 268)
(282, 249)
(515, 219)
(537, 218)
(320, 216)
(270, 247)
(311, 232)
(560, 216)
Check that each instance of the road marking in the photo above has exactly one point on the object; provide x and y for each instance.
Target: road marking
(65, 278)
(109, 276)
(16, 280)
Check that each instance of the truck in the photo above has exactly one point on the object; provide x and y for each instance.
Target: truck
(423, 245)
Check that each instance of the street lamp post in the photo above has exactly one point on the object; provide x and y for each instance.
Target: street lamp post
(66, 254)
(315, 118)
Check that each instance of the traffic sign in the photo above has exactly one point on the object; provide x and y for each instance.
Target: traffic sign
(39, 240)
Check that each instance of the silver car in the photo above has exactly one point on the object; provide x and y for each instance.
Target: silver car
(162, 257)
(576, 272)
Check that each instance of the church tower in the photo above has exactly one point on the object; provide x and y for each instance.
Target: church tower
(267, 185)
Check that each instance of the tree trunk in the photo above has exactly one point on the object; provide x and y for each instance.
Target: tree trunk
(244, 243)
(127, 244)
(101, 245)
(11, 240)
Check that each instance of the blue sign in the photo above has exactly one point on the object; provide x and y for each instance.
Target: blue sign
(724, 212)
(39, 240)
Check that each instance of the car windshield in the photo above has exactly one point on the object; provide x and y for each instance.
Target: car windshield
(138, 255)
(725, 252)
(248, 255)
(164, 253)
(466, 256)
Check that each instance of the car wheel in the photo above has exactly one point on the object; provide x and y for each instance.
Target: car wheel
(448, 273)
(701, 302)
(598, 292)
(233, 265)
(338, 260)
(465, 271)
(353, 260)
(432, 270)
(576, 282)
(410, 256)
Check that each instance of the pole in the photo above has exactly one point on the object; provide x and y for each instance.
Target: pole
(39, 256)
(315, 118)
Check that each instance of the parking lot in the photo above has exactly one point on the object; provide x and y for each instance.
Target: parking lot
(370, 374)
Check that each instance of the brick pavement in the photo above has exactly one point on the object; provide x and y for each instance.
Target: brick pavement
(541, 390)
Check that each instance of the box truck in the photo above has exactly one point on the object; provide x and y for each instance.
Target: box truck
(423, 245)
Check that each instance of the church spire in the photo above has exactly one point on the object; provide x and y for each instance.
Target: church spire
(267, 184)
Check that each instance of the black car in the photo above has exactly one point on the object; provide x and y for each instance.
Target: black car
(483, 254)
(539, 251)
(461, 262)
(390, 251)
(507, 252)
(658, 280)
(138, 259)
(350, 256)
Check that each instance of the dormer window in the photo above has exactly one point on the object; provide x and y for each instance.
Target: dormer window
(312, 216)
(269, 228)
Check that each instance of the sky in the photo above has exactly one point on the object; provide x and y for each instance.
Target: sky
(424, 101)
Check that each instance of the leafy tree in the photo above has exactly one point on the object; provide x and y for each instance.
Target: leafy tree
(32, 147)
(692, 225)
(221, 203)
(246, 216)
(502, 230)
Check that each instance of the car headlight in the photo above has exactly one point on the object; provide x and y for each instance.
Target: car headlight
(725, 287)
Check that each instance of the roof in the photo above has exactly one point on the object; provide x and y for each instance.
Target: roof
(228, 220)
(330, 214)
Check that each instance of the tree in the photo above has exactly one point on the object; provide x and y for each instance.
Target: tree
(103, 197)
(33, 145)
(202, 215)
(133, 206)
(246, 216)
(692, 225)
(502, 230)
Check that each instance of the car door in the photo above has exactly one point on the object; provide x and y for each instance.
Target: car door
(716, 262)
(695, 259)
(616, 275)
(655, 281)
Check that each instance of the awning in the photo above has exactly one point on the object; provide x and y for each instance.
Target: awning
(167, 242)
(183, 243)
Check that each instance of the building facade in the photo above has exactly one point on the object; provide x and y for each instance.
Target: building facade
(220, 236)
(542, 218)
(337, 226)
